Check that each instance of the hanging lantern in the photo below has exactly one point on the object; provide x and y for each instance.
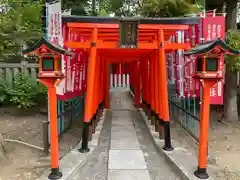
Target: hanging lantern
(208, 62)
(50, 58)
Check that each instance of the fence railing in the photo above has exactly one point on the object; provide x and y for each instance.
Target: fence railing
(9, 70)
(185, 111)
(185, 119)
(119, 81)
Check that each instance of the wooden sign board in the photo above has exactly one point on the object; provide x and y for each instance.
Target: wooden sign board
(128, 33)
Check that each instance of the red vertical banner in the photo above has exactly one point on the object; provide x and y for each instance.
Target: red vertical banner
(214, 27)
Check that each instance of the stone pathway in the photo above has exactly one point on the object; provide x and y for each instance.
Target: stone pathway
(126, 159)
(125, 151)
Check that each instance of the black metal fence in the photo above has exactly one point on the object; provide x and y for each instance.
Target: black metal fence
(68, 112)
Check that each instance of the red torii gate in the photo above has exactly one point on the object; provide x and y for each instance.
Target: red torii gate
(104, 44)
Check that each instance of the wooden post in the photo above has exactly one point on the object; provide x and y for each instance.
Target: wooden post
(164, 93)
(51, 84)
(201, 172)
(160, 107)
(88, 114)
(143, 77)
(152, 118)
(96, 94)
(137, 85)
(148, 88)
(102, 82)
(107, 82)
(98, 90)
(117, 75)
(127, 75)
(120, 75)
(54, 134)
(131, 77)
(156, 79)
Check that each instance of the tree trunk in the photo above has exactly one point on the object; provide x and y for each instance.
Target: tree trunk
(2, 148)
(94, 10)
(230, 95)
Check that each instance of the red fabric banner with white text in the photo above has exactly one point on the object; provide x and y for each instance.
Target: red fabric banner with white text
(214, 27)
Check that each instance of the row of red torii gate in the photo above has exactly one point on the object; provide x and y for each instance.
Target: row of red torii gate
(179, 68)
(144, 54)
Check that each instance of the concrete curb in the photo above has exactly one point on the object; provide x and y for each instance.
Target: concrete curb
(73, 160)
(181, 159)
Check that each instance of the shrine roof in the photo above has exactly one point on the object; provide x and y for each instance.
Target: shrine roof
(209, 46)
(49, 45)
(141, 20)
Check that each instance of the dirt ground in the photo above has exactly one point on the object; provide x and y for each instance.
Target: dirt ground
(224, 147)
(26, 163)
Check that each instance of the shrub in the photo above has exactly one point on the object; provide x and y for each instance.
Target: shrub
(233, 40)
(3, 92)
(25, 92)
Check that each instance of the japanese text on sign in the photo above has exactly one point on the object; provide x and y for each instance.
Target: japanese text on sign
(213, 28)
(214, 31)
(213, 92)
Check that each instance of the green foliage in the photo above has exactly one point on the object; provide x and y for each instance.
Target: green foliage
(151, 8)
(168, 8)
(79, 11)
(233, 40)
(111, 6)
(124, 8)
(20, 25)
(68, 4)
(103, 13)
(3, 92)
(25, 93)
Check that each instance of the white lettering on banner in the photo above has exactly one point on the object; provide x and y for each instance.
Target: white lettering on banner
(73, 76)
(81, 78)
(209, 32)
(214, 35)
(219, 27)
(213, 92)
(69, 87)
(220, 88)
(221, 68)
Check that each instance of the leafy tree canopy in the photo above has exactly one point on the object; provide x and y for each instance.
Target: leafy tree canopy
(233, 40)
(20, 25)
(169, 8)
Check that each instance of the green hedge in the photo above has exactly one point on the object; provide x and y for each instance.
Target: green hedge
(25, 92)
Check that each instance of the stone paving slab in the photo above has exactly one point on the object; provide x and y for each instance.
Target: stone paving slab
(122, 120)
(128, 175)
(121, 116)
(119, 127)
(127, 128)
(124, 142)
(121, 123)
(126, 159)
(119, 132)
